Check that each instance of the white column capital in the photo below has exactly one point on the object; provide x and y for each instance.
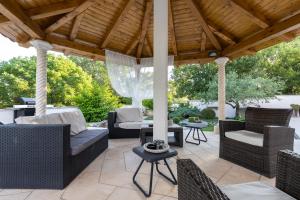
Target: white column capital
(40, 44)
(221, 61)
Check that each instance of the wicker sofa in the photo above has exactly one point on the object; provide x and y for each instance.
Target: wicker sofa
(193, 184)
(117, 132)
(46, 156)
(254, 143)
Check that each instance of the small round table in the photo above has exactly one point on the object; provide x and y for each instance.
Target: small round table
(153, 159)
(195, 127)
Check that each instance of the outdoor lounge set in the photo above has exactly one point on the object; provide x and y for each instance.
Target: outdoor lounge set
(49, 151)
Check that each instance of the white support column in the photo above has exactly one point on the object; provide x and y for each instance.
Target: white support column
(160, 90)
(221, 62)
(41, 76)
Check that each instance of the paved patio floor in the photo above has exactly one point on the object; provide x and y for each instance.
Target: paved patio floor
(109, 177)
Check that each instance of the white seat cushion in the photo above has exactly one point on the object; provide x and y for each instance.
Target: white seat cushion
(76, 119)
(245, 136)
(129, 115)
(131, 125)
(254, 191)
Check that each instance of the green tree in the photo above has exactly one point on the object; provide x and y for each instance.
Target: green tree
(96, 69)
(65, 80)
(243, 90)
(189, 80)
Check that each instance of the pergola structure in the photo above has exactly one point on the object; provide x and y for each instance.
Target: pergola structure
(194, 31)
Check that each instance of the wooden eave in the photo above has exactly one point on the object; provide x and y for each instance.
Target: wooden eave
(231, 28)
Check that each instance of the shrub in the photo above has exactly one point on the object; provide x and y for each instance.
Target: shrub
(184, 111)
(96, 104)
(125, 100)
(208, 113)
(148, 103)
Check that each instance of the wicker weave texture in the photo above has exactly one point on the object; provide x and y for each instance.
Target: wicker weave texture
(257, 118)
(193, 184)
(288, 173)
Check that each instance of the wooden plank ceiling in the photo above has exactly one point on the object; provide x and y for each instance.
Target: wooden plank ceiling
(87, 27)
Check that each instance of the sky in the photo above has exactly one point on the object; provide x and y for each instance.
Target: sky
(9, 49)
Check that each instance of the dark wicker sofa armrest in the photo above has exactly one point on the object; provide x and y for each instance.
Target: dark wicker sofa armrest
(230, 125)
(34, 156)
(111, 120)
(288, 173)
(193, 184)
(278, 136)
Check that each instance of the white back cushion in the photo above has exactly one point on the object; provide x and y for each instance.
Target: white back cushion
(54, 118)
(129, 115)
(32, 120)
(76, 119)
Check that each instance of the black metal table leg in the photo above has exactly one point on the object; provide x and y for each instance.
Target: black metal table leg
(174, 181)
(186, 138)
(205, 138)
(151, 180)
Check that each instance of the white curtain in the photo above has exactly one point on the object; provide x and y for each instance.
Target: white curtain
(130, 79)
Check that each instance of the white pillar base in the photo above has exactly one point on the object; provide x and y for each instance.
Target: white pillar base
(41, 76)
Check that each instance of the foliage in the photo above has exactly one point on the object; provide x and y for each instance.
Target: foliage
(86, 86)
(148, 103)
(96, 104)
(184, 111)
(207, 113)
(296, 109)
(96, 69)
(125, 100)
(65, 80)
(190, 80)
(193, 119)
(243, 90)
(281, 61)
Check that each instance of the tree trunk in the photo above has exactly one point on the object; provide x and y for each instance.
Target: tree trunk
(237, 110)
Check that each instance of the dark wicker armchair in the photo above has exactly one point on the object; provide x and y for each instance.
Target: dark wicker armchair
(271, 125)
(193, 184)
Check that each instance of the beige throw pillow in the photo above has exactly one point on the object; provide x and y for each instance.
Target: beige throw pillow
(76, 119)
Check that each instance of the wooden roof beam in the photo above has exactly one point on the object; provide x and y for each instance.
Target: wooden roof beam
(267, 34)
(203, 41)
(193, 58)
(75, 47)
(148, 47)
(172, 29)
(76, 25)
(47, 11)
(254, 16)
(117, 22)
(81, 8)
(144, 28)
(13, 11)
(197, 13)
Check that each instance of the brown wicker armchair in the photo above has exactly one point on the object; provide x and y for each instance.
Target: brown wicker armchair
(193, 184)
(255, 143)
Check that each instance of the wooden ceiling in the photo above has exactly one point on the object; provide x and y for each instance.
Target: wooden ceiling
(86, 27)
